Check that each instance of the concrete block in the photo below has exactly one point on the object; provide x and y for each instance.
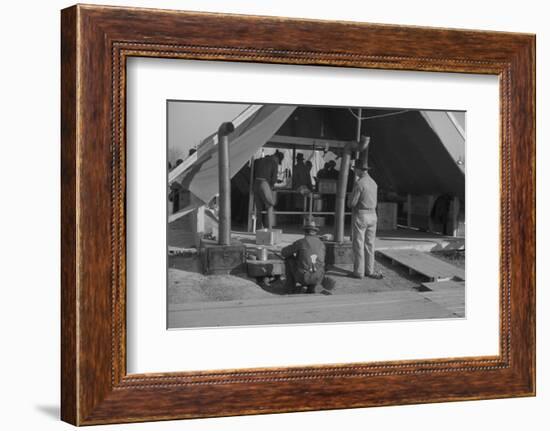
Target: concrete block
(338, 254)
(222, 259)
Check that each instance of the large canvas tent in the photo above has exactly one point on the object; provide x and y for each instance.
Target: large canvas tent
(411, 151)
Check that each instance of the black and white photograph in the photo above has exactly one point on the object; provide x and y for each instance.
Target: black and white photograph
(298, 214)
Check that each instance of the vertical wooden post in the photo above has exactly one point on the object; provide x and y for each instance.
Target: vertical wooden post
(358, 133)
(409, 210)
(429, 212)
(251, 227)
(339, 216)
(197, 219)
(452, 217)
(339, 213)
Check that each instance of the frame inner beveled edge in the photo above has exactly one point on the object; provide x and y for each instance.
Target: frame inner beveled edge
(123, 49)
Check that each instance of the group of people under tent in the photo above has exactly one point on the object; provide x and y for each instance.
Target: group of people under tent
(266, 170)
(305, 258)
(301, 175)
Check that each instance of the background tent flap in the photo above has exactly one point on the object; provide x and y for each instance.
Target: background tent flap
(449, 132)
(202, 178)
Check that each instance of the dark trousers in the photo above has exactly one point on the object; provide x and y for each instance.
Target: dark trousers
(264, 200)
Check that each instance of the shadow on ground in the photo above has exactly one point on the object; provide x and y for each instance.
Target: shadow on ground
(51, 411)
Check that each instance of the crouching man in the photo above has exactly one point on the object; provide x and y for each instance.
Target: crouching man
(305, 261)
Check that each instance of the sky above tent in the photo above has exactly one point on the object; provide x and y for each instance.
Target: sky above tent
(190, 122)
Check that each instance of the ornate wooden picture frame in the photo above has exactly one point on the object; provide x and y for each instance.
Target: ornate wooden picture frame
(96, 42)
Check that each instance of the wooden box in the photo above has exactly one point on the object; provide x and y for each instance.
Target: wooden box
(222, 259)
(268, 237)
(328, 186)
(387, 216)
(265, 268)
(338, 254)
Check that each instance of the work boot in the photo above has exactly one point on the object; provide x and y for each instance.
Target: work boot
(355, 275)
(292, 289)
(317, 288)
(375, 275)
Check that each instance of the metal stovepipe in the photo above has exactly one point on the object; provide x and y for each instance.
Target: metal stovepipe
(224, 181)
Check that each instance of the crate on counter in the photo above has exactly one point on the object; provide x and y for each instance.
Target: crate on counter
(328, 186)
(269, 237)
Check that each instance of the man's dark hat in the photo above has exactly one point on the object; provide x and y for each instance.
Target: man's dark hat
(309, 224)
(331, 163)
(362, 164)
(279, 155)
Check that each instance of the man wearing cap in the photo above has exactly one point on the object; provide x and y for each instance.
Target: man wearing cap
(363, 201)
(332, 172)
(265, 177)
(305, 260)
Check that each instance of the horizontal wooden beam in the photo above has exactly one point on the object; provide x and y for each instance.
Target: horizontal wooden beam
(279, 141)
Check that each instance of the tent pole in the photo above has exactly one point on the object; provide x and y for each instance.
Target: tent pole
(339, 213)
(409, 206)
(358, 133)
(341, 195)
(251, 209)
(224, 181)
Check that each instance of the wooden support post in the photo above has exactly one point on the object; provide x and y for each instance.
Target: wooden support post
(197, 219)
(409, 210)
(271, 212)
(358, 133)
(452, 217)
(198, 224)
(429, 211)
(251, 225)
(339, 216)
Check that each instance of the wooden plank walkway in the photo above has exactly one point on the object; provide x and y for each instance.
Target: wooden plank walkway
(401, 305)
(422, 263)
(449, 294)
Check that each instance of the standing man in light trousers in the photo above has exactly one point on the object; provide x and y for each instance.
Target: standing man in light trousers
(363, 201)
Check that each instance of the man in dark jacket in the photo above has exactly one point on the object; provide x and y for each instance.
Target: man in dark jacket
(240, 191)
(301, 174)
(305, 261)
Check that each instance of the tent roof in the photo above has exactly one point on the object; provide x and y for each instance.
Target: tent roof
(406, 150)
(411, 152)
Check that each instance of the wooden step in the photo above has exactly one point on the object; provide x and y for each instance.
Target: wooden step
(451, 295)
(422, 263)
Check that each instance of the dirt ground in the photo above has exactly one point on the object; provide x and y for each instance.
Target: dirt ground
(454, 257)
(187, 285)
